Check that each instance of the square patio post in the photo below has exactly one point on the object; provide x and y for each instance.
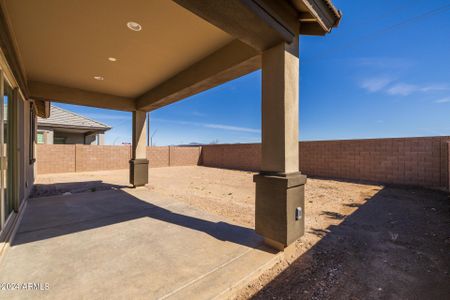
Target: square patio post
(280, 186)
(139, 162)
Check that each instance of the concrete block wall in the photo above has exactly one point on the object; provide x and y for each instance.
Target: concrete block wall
(185, 156)
(95, 157)
(409, 161)
(232, 156)
(83, 158)
(158, 157)
(55, 158)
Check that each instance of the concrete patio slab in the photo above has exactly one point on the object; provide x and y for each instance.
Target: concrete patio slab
(126, 243)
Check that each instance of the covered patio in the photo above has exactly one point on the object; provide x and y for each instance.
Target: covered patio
(129, 243)
(138, 56)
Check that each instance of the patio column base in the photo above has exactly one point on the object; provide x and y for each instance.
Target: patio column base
(138, 172)
(280, 207)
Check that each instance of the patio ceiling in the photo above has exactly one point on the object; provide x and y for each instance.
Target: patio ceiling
(59, 48)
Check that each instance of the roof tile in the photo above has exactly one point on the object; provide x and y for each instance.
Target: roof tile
(65, 118)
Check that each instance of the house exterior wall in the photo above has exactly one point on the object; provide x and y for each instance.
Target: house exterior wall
(49, 135)
(99, 140)
(28, 165)
(90, 139)
(70, 137)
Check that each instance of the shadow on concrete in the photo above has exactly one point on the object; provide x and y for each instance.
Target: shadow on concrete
(394, 246)
(49, 217)
(53, 189)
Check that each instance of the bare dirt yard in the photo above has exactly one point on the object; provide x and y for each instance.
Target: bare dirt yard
(362, 241)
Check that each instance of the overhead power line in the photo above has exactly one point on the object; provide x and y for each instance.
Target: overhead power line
(382, 31)
(410, 20)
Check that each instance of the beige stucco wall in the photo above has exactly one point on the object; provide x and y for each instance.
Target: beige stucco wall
(71, 137)
(24, 165)
(28, 166)
(100, 139)
(47, 135)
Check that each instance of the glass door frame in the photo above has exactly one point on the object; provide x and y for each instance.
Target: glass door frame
(2, 193)
(8, 163)
(8, 221)
(9, 146)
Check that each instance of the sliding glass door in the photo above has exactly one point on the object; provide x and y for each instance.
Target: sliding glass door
(5, 116)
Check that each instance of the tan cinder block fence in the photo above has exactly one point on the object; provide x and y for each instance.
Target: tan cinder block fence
(409, 161)
(81, 158)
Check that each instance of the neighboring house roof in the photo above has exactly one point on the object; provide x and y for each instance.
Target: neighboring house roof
(66, 119)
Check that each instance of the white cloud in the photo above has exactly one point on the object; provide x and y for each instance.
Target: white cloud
(434, 87)
(443, 100)
(232, 128)
(375, 84)
(396, 88)
(211, 125)
(404, 89)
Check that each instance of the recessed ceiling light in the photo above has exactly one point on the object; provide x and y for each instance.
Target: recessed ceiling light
(99, 78)
(134, 26)
(112, 59)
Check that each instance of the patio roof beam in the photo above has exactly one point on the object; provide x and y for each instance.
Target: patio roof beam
(317, 17)
(259, 23)
(232, 61)
(57, 93)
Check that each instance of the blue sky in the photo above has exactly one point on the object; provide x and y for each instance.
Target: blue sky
(384, 72)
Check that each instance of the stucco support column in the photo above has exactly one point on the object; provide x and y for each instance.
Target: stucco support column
(280, 186)
(139, 162)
